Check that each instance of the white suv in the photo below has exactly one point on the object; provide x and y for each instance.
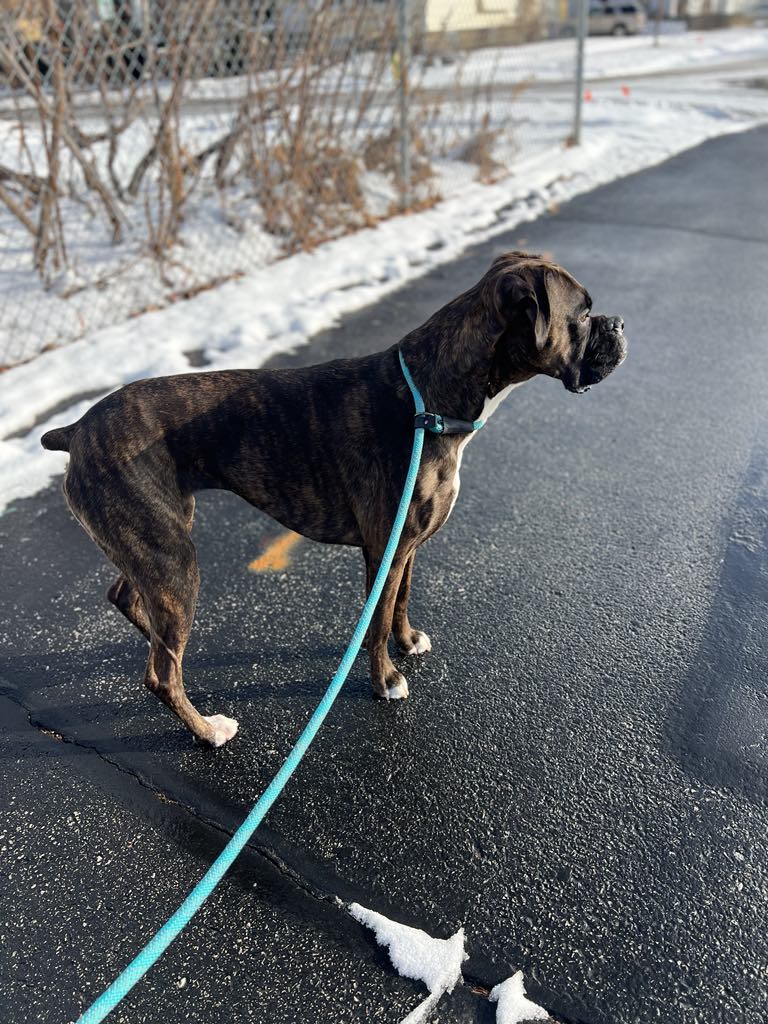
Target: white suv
(616, 19)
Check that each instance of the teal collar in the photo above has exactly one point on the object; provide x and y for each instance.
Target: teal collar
(433, 421)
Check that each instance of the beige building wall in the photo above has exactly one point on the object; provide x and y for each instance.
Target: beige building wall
(468, 15)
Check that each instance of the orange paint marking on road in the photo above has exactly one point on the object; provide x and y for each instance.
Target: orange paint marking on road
(277, 555)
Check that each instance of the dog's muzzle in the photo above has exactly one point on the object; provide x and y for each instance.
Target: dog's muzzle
(605, 350)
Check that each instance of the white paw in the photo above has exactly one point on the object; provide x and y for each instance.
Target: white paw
(399, 691)
(224, 728)
(422, 644)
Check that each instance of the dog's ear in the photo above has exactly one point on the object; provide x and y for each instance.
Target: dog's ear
(520, 302)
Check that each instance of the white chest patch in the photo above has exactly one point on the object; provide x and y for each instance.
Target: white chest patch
(492, 404)
(489, 408)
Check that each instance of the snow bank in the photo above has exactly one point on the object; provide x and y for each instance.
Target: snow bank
(606, 57)
(244, 322)
(513, 1005)
(23, 468)
(415, 954)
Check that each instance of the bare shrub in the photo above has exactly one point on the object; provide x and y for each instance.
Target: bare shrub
(478, 150)
(274, 123)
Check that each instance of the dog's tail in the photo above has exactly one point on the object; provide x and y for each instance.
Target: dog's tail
(58, 440)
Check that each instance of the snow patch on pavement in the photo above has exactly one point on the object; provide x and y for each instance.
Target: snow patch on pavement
(513, 1005)
(437, 963)
(416, 955)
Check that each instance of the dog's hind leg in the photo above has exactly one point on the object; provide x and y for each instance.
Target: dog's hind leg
(148, 540)
(408, 639)
(170, 603)
(386, 680)
(126, 598)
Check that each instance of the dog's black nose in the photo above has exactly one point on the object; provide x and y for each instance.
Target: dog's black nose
(617, 324)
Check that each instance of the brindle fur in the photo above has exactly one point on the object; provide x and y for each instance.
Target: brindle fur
(324, 450)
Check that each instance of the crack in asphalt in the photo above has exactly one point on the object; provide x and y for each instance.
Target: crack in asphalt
(478, 986)
(161, 795)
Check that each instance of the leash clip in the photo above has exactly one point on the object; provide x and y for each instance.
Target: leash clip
(431, 421)
(437, 424)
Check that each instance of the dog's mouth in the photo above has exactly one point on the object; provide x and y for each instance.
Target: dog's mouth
(582, 378)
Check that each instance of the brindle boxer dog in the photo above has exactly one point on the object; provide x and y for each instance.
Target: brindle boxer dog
(323, 449)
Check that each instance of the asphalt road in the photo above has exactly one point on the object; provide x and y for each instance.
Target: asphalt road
(579, 775)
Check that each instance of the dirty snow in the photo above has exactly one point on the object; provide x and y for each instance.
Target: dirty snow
(513, 1005)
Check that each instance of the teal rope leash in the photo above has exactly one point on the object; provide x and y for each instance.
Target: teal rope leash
(155, 948)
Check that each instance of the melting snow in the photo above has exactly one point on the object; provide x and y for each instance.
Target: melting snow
(416, 955)
(514, 1007)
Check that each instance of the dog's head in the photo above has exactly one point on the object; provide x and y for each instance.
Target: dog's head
(545, 318)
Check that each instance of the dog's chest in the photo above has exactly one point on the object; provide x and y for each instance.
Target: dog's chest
(457, 474)
(489, 408)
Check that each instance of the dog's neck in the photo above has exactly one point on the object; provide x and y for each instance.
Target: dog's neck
(461, 362)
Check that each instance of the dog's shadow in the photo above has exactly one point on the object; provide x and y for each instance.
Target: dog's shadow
(227, 679)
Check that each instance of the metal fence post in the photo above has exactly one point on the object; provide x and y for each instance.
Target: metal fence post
(404, 64)
(581, 35)
(657, 21)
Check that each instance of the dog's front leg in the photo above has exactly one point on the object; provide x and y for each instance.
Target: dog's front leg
(408, 639)
(387, 681)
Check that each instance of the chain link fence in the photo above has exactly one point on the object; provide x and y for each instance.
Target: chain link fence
(150, 149)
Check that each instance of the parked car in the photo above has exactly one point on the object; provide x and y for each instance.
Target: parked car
(620, 19)
(610, 19)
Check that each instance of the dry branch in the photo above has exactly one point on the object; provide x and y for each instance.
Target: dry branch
(31, 182)
(18, 211)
